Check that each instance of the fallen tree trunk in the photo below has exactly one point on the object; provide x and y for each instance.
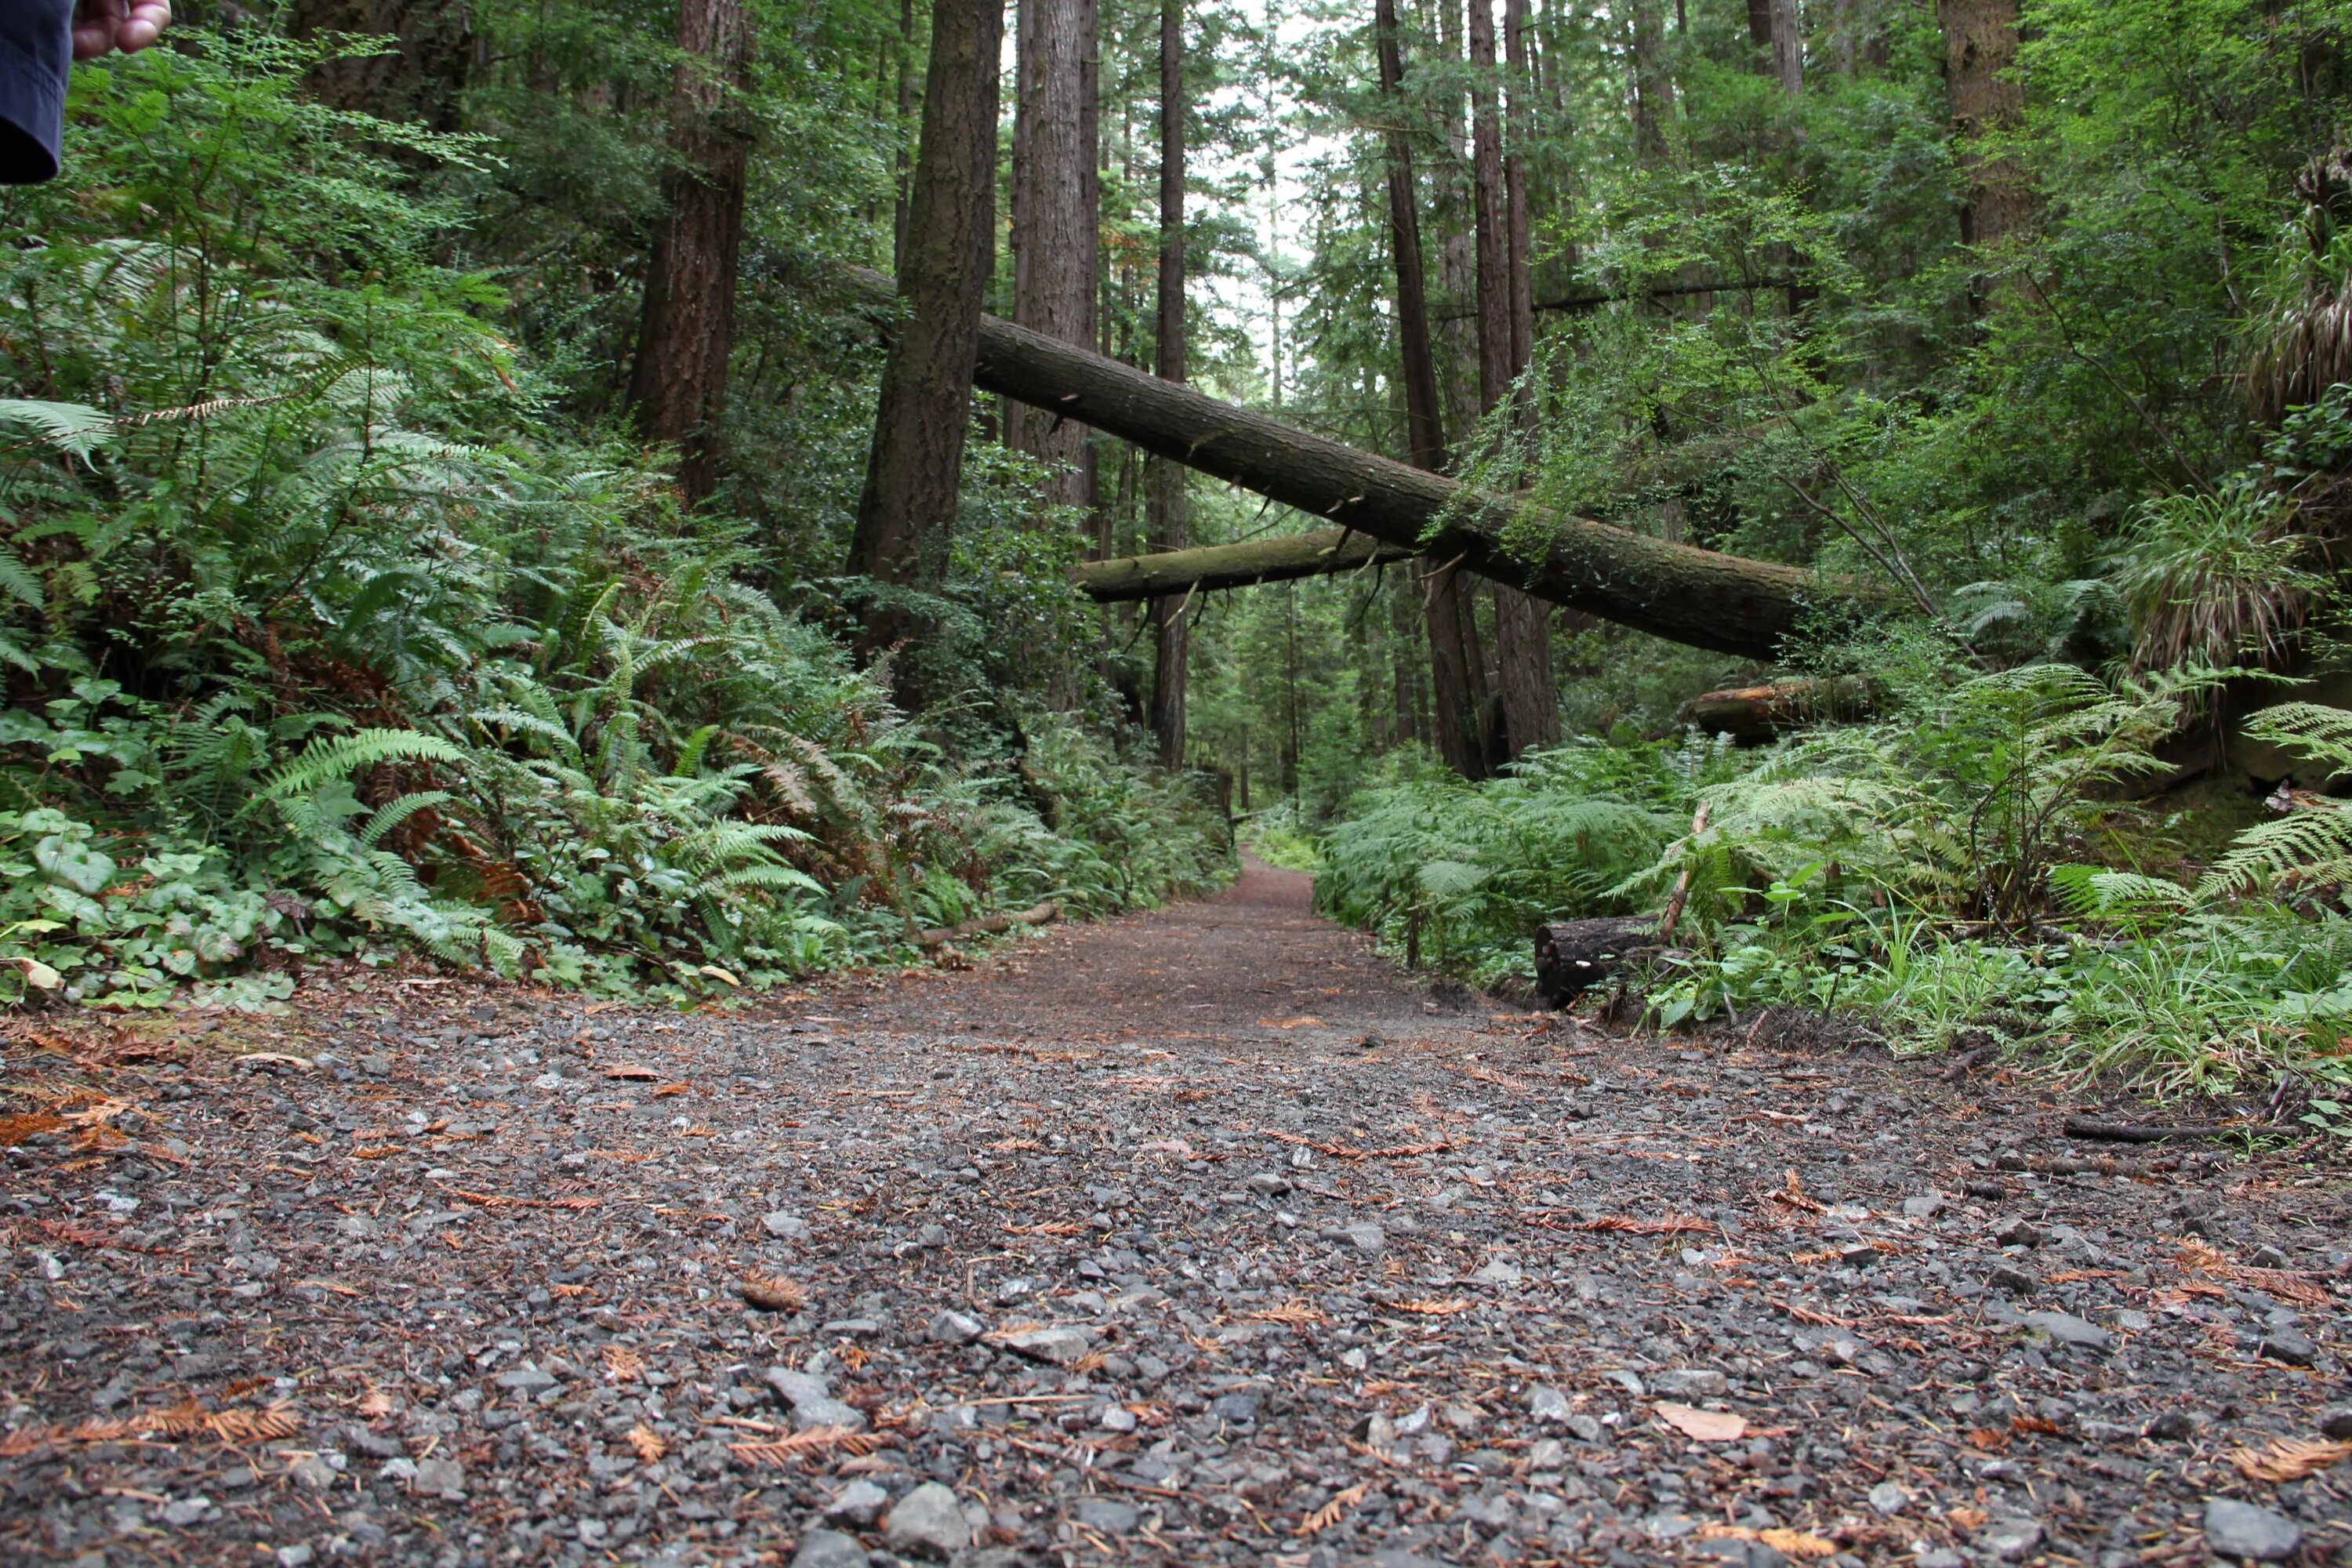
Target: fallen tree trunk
(1672, 591)
(1573, 956)
(1752, 715)
(1245, 566)
(1045, 913)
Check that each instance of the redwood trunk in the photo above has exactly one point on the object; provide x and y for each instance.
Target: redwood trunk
(1056, 219)
(906, 516)
(1652, 92)
(1986, 98)
(1169, 521)
(688, 331)
(422, 80)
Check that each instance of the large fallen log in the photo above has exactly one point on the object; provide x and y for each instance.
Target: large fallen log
(1130, 577)
(1672, 591)
(1573, 956)
(1753, 715)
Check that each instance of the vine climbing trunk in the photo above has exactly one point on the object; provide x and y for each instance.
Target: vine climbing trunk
(1170, 524)
(687, 330)
(906, 515)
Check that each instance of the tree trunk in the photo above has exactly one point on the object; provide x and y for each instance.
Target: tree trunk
(1980, 62)
(421, 81)
(1678, 592)
(1456, 672)
(1056, 217)
(1654, 94)
(906, 516)
(1787, 47)
(1524, 677)
(903, 160)
(1170, 524)
(1185, 574)
(1490, 216)
(688, 331)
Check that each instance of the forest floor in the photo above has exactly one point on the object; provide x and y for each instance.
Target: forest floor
(1193, 1236)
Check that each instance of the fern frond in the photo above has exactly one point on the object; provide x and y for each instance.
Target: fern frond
(347, 754)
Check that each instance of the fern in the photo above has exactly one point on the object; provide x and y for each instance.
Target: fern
(347, 754)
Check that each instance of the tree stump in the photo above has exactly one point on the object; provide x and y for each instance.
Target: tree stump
(1573, 956)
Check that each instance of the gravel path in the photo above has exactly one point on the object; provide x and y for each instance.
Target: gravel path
(1196, 1237)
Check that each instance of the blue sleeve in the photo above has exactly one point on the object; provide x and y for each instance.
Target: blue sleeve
(36, 53)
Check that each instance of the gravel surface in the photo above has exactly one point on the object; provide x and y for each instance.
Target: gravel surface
(1197, 1236)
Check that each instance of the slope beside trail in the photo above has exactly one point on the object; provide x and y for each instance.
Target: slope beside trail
(1193, 1236)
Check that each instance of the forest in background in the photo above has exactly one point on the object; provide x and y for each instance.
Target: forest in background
(445, 507)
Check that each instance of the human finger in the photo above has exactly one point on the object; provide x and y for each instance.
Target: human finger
(143, 24)
(94, 25)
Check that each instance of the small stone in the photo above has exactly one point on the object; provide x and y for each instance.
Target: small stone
(2016, 1230)
(440, 1478)
(526, 1380)
(1117, 1418)
(181, 1512)
(928, 1522)
(2336, 1423)
(298, 1556)
(829, 1549)
(2011, 1540)
(784, 1226)
(1587, 1428)
(1693, 1381)
(857, 1505)
(1268, 1183)
(2269, 1256)
(1108, 1516)
(1240, 1409)
(1938, 1557)
(2016, 1282)
(2284, 1343)
(954, 1328)
(1888, 1498)
(1059, 1346)
(1926, 1207)
(1366, 1237)
(2234, 1529)
(2170, 1426)
(2069, 1330)
(313, 1472)
(1548, 1404)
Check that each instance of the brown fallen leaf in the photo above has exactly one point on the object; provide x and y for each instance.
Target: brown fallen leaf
(1788, 1542)
(1701, 1425)
(1985, 1438)
(1970, 1519)
(631, 1070)
(1298, 1312)
(1432, 1309)
(1302, 1022)
(623, 1363)
(377, 1404)
(1330, 1513)
(2290, 1458)
(771, 1293)
(1673, 1225)
(647, 1443)
(667, 1089)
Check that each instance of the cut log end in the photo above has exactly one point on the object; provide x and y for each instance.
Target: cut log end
(1574, 956)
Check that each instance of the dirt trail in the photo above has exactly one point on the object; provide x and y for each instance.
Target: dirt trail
(1194, 1237)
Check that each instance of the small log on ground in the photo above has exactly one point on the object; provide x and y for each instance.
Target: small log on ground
(1573, 956)
(1753, 715)
(989, 925)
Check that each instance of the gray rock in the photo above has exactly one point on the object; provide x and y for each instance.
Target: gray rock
(298, 1556)
(526, 1380)
(1587, 1428)
(181, 1512)
(1498, 1271)
(2336, 1423)
(1938, 1557)
(1686, 1382)
(1108, 1516)
(2285, 1343)
(2011, 1540)
(857, 1505)
(785, 1228)
(313, 1472)
(829, 1549)
(1269, 1183)
(954, 1328)
(441, 1477)
(1366, 1237)
(1059, 1346)
(928, 1522)
(2170, 1425)
(2016, 1230)
(2234, 1529)
(1238, 1408)
(1926, 1206)
(795, 1386)
(811, 1400)
(2069, 1330)
(1888, 1498)
(1548, 1404)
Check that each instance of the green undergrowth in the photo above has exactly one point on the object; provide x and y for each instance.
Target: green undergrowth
(326, 635)
(1970, 869)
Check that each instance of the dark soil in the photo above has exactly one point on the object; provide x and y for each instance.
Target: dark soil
(1196, 1237)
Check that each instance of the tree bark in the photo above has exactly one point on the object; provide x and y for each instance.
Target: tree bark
(905, 517)
(1787, 47)
(422, 80)
(1986, 100)
(1697, 597)
(687, 328)
(1170, 524)
(1056, 217)
(1523, 678)
(1654, 93)
(1183, 574)
(1457, 670)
